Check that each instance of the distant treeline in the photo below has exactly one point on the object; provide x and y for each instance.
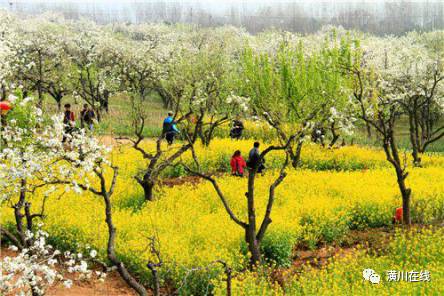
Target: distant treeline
(381, 17)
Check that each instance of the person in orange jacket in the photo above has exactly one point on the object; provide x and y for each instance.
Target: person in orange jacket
(398, 216)
(237, 164)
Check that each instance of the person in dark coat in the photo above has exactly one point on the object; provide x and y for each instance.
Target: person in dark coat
(254, 160)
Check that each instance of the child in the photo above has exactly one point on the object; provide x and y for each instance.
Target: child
(237, 164)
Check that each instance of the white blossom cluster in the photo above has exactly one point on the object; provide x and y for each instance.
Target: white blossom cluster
(40, 266)
(36, 154)
(242, 102)
(404, 67)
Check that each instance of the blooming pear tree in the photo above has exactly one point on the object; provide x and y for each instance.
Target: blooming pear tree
(7, 37)
(415, 77)
(31, 156)
(163, 156)
(34, 158)
(141, 63)
(92, 78)
(207, 66)
(378, 106)
(39, 56)
(196, 85)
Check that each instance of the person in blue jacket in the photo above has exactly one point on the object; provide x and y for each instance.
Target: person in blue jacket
(169, 129)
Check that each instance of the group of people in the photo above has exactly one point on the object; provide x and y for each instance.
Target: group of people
(238, 163)
(170, 130)
(87, 118)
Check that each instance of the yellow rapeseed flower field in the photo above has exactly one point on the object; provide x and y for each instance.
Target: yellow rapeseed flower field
(416, 252)
(313, 205)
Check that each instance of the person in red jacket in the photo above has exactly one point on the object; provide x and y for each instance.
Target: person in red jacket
(398, 216)
(237, 164)
(69, 121)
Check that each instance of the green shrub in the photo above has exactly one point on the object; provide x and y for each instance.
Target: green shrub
(277, 248)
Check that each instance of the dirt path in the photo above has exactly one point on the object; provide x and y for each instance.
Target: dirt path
(111, 141)
(371, 239)
(112, 286)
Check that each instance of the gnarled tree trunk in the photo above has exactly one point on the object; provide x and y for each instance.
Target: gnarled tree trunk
(127, 277)
(250, 230)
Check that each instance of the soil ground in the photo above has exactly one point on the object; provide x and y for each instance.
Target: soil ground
(112, 286)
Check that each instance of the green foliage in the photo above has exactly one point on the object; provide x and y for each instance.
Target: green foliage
(369, 215)
(19, 115)
(277, 247)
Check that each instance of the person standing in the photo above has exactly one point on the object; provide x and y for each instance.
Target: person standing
(254, 159)
(87, 117)
(68, 118)
(237, 164)
(68, 121)
(82, 115)
(169, 128)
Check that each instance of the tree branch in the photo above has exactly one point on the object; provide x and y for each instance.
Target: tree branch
(219, 193)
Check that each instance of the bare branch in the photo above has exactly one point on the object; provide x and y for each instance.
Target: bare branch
(219, 193)
(267, 220)
(11, 237)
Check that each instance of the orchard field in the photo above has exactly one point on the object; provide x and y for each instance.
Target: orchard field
(350, 129)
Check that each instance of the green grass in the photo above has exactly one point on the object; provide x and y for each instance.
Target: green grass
(402, 137)
(118, 123)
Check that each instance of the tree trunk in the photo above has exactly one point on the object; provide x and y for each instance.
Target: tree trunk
(401, 175)
(406, 207)
(296, 155)
(414, 140)
(127, 277)
(29, 217)
(369, 130)
(58, 98)
(19, 216)
(166, 99)
(405, 194)
(228, 272)
(250, 231)
(155, 274)
(335, 136)
(253, 246)
(40, 96)
(416, 158)
(208, 137)
(3, 92)
(203, 135)
(147, 184)
(98, 114)
(148, 187)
